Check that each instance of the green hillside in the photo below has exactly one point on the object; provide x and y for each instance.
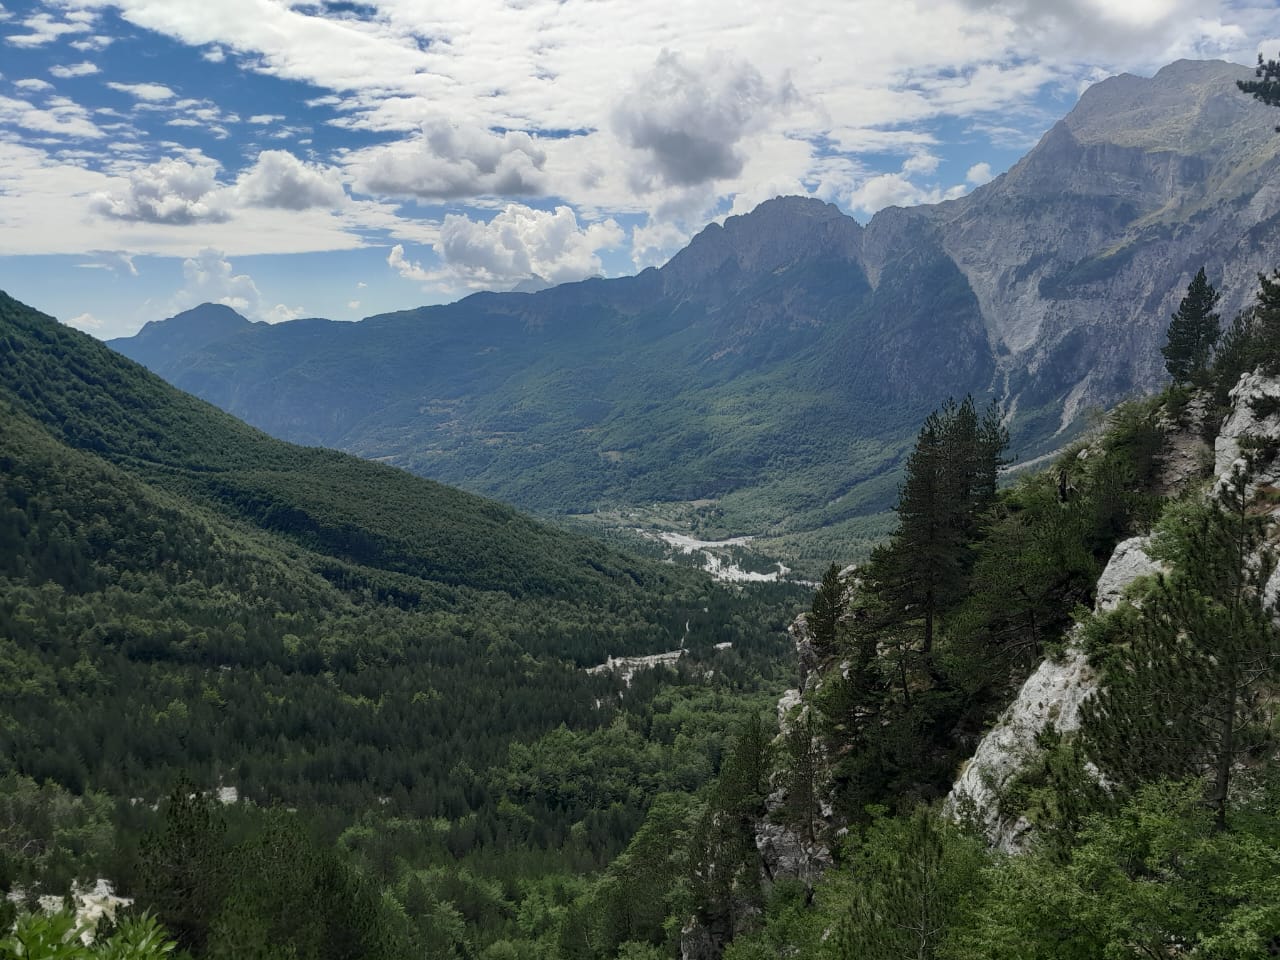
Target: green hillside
(181, 595)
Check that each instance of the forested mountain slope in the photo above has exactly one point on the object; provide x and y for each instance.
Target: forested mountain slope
(180, 594)
(780, 363)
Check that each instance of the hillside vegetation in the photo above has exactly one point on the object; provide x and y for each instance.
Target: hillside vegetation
(184, 599)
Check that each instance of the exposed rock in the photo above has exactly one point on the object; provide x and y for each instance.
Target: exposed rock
(1128, 562)
(1255, 414)
(92, 904)
(1051, 695)
(785, 853)
(806, 654)
(786, 704)
(1187, 456)
(628, 667)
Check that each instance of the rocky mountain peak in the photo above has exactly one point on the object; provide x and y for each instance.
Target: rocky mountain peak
(776, 234)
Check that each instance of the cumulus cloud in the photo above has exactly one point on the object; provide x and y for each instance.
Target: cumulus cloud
(85, 321)
(209, 278)
(979, 174)
(448, 162)
(96, 42)
(900, 190)
(279, 179)
(408, 268)
(65, 71)
(689, 117)
(171, 191)
(33, 83)
(920, 163)
(654, 242)
(518, 244)
(150, 92)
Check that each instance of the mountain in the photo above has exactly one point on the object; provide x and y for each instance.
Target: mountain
(296, 645)
(181, 592)
(780, 364)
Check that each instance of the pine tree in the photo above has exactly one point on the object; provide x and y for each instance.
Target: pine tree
(914, 877)
(1266, 88)
(950, 480)
(1185, 696)
(1266, 321)
(824, 617)
(183, 867)
(1193, 331)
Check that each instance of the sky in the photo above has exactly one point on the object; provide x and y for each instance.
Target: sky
(298, 158)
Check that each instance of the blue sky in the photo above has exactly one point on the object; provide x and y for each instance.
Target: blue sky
(342, 159)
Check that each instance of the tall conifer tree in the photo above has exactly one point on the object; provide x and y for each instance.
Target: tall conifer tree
(1185, 696)
(1193, 331)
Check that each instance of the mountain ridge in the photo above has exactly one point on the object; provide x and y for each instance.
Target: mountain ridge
(783, 359)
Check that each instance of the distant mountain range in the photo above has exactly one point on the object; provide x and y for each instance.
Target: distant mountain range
(777, 368)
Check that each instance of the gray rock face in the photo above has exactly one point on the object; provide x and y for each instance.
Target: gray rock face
(1051, 695)
(1187, 457)
(1255, 414)
(806, 656)
(786, 854)
(1081, 252)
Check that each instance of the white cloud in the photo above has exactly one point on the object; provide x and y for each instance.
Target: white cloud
(521, 243)
(899, 190)
(150, 92)
(171, 191)
(921, 162)
(518, 244)
(117, 261)
(407, 268)
(65, 71)
(45, 29)
(33, 83)
(688, 118)
(281, 313)
(979, 174)
(279, 179)
(96, 42)
(653, 243)
(86, 322)
(59, 116)
(261, 119)
(450, 162)
(209, 278)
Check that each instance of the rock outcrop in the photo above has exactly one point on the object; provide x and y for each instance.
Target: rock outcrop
(1051, 695)
(1187, 457)
(1251, 431)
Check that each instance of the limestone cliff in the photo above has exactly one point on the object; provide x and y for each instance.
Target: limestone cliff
(1051, 695)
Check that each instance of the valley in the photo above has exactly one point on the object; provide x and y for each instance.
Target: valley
(839, 590)
(779, 366)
